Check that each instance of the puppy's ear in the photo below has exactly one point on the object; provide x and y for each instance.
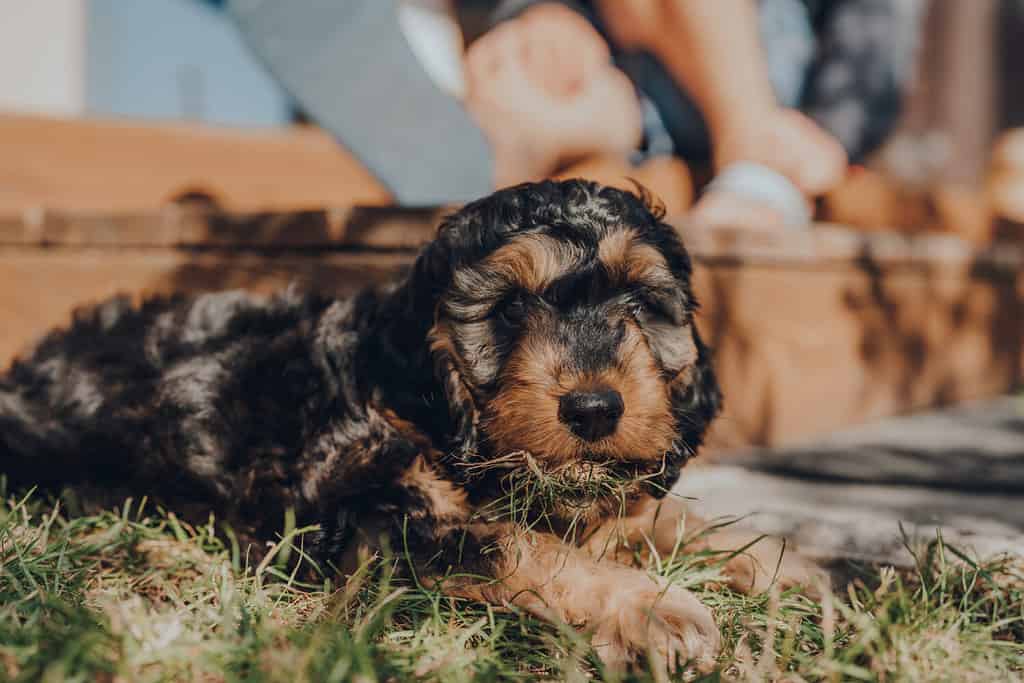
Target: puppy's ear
(461, 404)
(696, 396)
(334, 353)
(430, 277)
(409, 312)
(429, 280)
(696, 399)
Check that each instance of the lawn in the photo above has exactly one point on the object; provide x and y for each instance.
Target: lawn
(134, 594)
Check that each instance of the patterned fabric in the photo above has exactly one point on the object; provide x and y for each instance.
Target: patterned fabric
(854, 88)
(789, 46)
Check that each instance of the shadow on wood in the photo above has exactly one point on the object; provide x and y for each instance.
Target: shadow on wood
(813, 331)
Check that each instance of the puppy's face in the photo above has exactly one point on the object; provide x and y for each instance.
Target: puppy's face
(569, 328)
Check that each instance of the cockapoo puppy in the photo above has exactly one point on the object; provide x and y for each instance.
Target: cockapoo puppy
(510, 415)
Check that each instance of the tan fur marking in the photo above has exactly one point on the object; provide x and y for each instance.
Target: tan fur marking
(531, 261)
(447, 502)
(524, 413)
(646, 264)
(440, 339)
(629, 261)
(411, 432)
(613, 250)
(441, 344)
(629, 612)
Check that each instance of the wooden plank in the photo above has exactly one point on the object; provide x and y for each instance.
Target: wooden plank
(365, 227)
(76, 165)
(803, 351)
(117, 166)
(390, 227)
(40, 287)
(804, 345)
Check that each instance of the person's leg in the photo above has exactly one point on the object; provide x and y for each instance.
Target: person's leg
(714, 52)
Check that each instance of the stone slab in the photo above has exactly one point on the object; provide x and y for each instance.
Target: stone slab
(975, 447)
(863, 493)
(831, 520)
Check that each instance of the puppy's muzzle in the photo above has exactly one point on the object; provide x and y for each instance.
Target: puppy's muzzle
(591, 415)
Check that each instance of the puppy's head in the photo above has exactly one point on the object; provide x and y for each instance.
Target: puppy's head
(564, 329)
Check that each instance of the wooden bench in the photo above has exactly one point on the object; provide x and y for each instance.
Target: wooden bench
(813, 331)
(123, 166)
(119, 166)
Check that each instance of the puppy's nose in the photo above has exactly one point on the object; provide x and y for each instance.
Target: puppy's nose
(591, 415)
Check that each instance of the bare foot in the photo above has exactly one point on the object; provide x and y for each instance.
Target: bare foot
(563, 51)
(786, 142)
(732, 210)
(544, 91)
(789, 142)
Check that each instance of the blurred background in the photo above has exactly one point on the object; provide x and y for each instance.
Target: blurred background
(944, 167)
(187, 146)
(160, 60)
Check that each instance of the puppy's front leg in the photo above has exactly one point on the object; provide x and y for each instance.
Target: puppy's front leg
(629, 612)
(664, 524)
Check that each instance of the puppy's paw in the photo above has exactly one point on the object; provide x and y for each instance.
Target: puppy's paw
(769, 562)
(667, 623)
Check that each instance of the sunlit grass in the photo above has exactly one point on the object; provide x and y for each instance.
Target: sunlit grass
(135, 594)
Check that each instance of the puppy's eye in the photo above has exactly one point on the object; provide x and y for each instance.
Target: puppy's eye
(644, 309)
(512, 311)
(641, 309)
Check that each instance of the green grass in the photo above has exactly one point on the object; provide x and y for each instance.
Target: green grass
(136, 595)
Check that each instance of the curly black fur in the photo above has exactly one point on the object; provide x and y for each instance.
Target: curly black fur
(250, 406)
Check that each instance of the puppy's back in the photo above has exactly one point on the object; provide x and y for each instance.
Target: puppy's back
(88, 401)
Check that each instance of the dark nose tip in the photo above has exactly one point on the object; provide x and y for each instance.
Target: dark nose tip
(591, 415)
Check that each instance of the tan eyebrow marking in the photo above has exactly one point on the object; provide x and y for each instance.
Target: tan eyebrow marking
(630, 261)
(533, 261)
(612, 252)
